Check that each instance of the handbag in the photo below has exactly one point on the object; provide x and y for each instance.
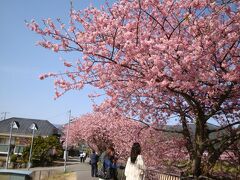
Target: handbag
(103, 172)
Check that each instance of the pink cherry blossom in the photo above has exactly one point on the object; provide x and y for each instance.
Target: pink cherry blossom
(67, 64)
(102, 130)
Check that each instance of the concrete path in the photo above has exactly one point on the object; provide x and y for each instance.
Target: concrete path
(82, 170)
(77, 170)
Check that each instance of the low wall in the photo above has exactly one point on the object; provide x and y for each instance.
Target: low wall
(44, 174)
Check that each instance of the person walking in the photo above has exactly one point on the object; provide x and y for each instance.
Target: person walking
(84, 154)
(93, 162)
(81, 156)
(134, 169)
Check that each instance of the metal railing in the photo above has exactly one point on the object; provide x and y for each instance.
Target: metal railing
(154, 174)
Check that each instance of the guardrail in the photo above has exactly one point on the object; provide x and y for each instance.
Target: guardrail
(154, 174)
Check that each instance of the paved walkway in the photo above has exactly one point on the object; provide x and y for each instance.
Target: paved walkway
(75, 170)
(82, 170)
(78, 171)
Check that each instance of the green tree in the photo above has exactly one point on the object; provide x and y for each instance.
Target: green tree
(44, 151)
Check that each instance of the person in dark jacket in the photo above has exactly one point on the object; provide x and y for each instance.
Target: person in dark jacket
(109, 164)
(93, 162)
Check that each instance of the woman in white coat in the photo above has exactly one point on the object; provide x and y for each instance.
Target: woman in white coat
(135, 166)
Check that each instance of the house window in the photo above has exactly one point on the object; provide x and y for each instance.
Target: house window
(3, 148)
(4, 140)
(18, 149)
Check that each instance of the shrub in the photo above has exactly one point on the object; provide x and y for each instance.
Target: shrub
(14, 158)
(42, 152)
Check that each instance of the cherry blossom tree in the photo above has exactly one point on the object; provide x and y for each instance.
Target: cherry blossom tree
(158, 60)
(100, 131)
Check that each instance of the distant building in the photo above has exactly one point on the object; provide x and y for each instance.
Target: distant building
(21, 137)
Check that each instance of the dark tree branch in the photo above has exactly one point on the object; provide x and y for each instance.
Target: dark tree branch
(222, 128)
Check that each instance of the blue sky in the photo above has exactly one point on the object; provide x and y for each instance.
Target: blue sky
(22, 94)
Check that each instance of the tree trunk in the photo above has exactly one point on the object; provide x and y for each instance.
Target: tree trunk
(196, 167)
(198, 148)
(212, 161)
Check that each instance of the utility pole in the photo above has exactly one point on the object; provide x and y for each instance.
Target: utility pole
(5, 115)
(66, 147)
